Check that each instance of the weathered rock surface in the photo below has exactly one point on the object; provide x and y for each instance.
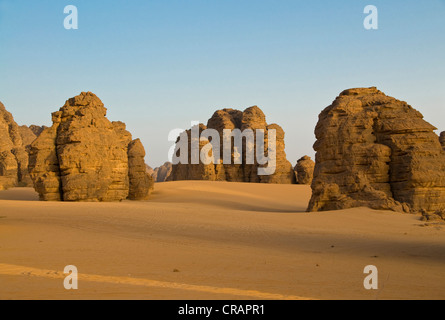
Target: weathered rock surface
(442, 139)
(141, 183)
(438, 216)
(44, 164)
(13, 155)
(191, 170)
(378, 152)
(149, 170)
(85, 157)
(304, 170)
(37, 130)
(28, 136)
(162, 173)
(252, 118)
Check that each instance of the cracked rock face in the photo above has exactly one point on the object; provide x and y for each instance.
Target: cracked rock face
(378, 152)
(85, 157)
(252, 118)
(13, 155)
(304, 170)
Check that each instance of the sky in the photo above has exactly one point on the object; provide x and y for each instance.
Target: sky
(159, 64)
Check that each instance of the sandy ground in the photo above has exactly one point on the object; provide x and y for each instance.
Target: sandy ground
(214, 240)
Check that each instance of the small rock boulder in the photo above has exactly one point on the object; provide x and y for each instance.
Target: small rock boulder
(162, 173)
(304, 170)
(442, 140)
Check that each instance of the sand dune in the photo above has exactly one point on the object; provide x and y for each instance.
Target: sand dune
(223, 240)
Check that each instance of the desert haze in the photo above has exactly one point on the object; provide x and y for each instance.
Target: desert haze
(214, 240)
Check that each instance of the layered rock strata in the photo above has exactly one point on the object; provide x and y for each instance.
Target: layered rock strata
(378, 152)
(304, 170)
(241, 162)
(85, 157)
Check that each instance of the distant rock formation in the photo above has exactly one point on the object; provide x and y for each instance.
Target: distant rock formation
(28, 136)
(252, 118)
(304, 170)
(162, 173)
(85, 157)
(149, 170)
(13, 155)
(442, 139)
(188, 171)
(378, 152)
(141, 183)
(37, 130)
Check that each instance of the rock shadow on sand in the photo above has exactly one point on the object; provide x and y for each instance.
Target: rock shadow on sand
(19, 194)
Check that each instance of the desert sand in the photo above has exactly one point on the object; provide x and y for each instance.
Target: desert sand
(214, 240)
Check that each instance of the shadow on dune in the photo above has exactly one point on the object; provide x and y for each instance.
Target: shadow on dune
(19, 194)
(242, 206)
(238, 203)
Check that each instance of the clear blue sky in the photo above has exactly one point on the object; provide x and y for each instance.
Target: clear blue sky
(159, 64)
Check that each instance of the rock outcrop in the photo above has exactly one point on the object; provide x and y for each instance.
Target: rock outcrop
(85, 157)
(240, 167)
(378, 152)
(141, 183)
(28, 136)
(149, 170)
(162, 173)
(190, 170)
(304, 170)
(442, 140)
(37, 130)
(13, 155)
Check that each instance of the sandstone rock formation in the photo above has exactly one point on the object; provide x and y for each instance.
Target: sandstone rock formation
(189, 170)
(28, 136)
(304, 170)
(13, 156)
(235, 171)
(442, 139)
(438, 216)
(37, 130)
(149, 170)
(162, 173)
(85, 157)
(141, 183)
(376, 151)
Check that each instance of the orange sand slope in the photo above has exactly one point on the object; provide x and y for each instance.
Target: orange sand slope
(214, 240)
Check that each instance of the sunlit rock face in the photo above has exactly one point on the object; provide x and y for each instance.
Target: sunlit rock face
(85, 157)
(378, 152)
